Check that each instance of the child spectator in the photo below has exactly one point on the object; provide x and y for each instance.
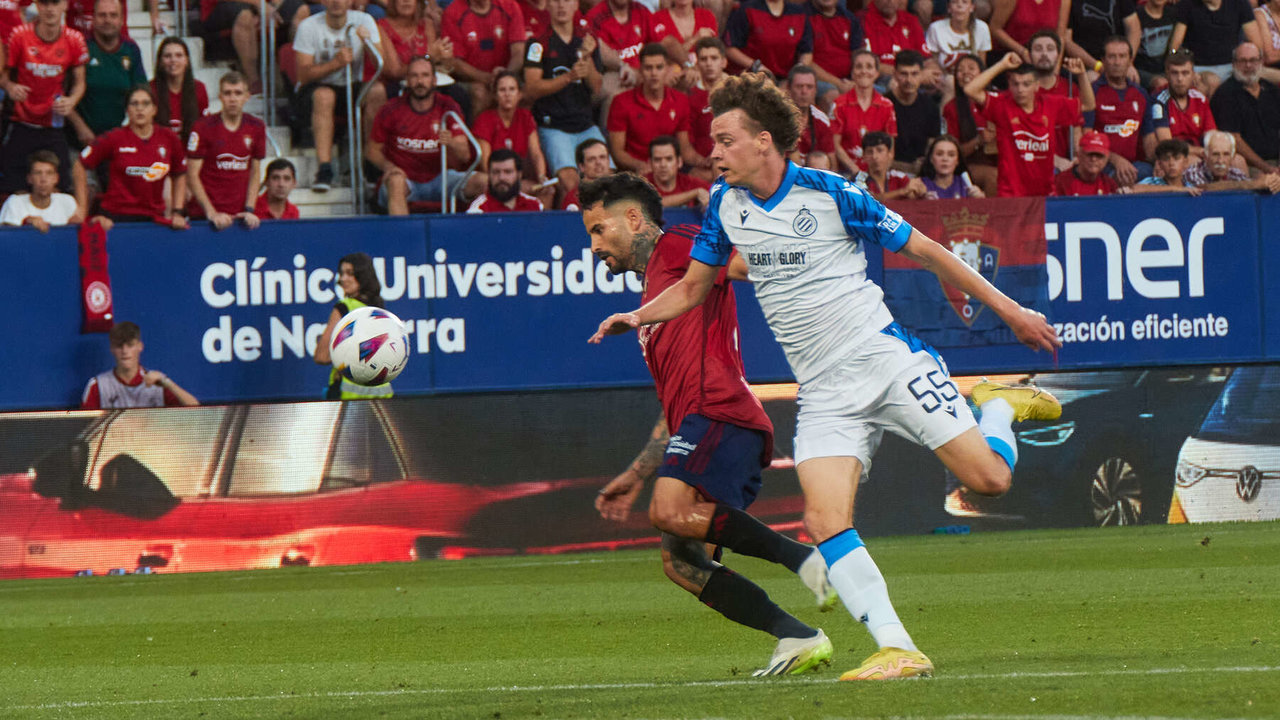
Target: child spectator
(43, 206)
(128, 384)
(880, 178)
(1171, 164)
(959, 34)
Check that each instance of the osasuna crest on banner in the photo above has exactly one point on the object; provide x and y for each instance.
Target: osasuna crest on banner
(1002, 239)
(964, 233)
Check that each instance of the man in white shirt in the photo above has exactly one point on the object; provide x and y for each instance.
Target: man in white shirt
(42, 207)
(324, 49)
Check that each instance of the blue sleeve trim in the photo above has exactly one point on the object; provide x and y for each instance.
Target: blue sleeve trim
(712, 246)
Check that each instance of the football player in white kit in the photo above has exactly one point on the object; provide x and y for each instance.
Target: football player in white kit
(801, 233)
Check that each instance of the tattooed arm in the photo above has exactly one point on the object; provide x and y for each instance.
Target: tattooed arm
(615, 500)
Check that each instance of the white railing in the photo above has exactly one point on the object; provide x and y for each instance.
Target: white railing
(355, 134)
(449, 200)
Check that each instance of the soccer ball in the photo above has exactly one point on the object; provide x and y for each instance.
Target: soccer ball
(370, 346)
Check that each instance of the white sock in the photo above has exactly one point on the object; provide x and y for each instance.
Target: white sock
(997, 423)
(864, 592)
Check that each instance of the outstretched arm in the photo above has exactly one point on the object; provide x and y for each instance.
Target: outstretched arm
(615, 500)
(673, 302)
(1028, 325)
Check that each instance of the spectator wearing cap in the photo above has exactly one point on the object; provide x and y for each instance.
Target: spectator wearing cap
(1125, 114)
(1248, 107)
(504, 193)
(1218, 172)
(1086, 177)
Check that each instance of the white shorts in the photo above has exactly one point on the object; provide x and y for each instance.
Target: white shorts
(894, 382)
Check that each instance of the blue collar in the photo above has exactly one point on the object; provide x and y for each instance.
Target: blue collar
(788, 180)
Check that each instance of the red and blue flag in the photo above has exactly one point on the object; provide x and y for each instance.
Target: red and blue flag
(1002, 239)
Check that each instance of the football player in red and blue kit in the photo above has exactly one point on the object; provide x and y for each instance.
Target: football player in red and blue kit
(721, 440)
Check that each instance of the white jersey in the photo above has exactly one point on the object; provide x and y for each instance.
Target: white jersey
(804, 251)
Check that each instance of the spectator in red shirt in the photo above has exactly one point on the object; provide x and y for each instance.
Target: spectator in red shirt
(592, 156)
(487, 36)
(128, 384)
(676, 188)
(890, 31)
(711, 64)
(1185, 107)
(406, 139)
(837, 35)
(860, 111)
(880, 178)
(639, 115)
(12, 16)
(40, 58)
(623, 27)
(1023, 122)
(682, 25)
(1013, 22)
(1086, 178)
(511, 126)
(273, 203)
(772, 35)
(183, 98)
(504, 187)
(816, 131)
(80, 17)
(1125, 114)
(142, 158)
(223, 155)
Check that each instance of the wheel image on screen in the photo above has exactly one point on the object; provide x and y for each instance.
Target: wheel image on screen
(370, 346)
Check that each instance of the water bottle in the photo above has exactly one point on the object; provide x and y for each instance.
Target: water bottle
(58, 118)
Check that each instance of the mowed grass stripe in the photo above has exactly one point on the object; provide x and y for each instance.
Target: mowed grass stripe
(1145, 621)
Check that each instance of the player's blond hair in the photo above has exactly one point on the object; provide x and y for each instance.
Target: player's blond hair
(767, 108)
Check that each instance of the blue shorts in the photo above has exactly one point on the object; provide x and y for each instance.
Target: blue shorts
(718, 459)
(559, 146)
(429, 191)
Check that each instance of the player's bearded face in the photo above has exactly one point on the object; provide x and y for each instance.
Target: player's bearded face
(610, 237)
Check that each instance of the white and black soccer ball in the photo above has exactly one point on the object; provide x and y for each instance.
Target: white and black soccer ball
(370, 346)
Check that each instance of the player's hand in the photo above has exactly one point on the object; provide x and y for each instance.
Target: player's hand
(250, 220)
(615, 324)
(221, 220)
(615, 500)
(1033, 330)
(153, 377)
(19, 92)
(1074, 65)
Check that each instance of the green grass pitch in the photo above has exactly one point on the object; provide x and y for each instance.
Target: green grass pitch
(1156, 621)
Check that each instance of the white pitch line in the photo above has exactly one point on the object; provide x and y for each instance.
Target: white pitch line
(755, 683)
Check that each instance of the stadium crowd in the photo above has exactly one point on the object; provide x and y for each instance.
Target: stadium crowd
(919, 99)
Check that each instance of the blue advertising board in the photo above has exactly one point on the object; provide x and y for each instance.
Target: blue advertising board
(500, 303)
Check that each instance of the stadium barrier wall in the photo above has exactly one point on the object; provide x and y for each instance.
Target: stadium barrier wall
(503, 303)
(267, 485)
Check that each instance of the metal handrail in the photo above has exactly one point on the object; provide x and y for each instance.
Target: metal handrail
(449, 200)
(267, 59)
(180, 9)
(355, 135)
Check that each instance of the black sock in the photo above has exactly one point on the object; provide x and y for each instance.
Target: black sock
(746, 535)
(743, 602)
